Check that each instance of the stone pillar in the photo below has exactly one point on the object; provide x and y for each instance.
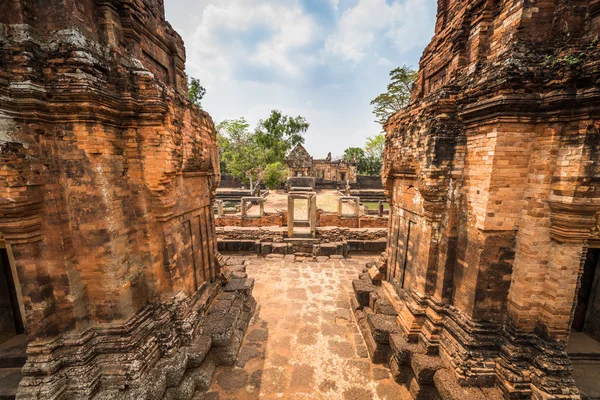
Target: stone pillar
(290, 216)
(313, 214)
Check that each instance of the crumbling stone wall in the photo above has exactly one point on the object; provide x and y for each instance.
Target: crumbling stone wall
(301, 163)
(323, 219)
(492, 173)
(107, 179)
(278, 234)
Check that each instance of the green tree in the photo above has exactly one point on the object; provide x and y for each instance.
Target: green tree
(274, 174)
(259, 156)
(369, 159)
(240, 155)
(397, 95)
(196, 91)
(375, 145)
(357, 155)
(278, 134)
(372, 166)
(353, 154)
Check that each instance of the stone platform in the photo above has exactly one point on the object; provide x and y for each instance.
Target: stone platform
(413, 365)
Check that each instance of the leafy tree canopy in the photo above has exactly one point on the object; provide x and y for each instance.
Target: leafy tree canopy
(238, 149)
(352, 154)
(259, 156)
(196, 91)
(397, 95)
(279, 133)
(274, 174)
(369, 158)
(375, 145)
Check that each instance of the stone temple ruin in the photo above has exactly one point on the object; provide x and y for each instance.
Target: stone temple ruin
(107, 179)
(327, 172)
(492, 173)
(112, 285)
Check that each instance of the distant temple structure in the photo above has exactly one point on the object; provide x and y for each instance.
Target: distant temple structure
(301, 164)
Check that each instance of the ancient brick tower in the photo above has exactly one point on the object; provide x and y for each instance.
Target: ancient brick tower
(107, 178)
(493, 171)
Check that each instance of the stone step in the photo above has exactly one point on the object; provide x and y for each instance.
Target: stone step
(375, 275)
(198, 350)
(381, 305)
(227, 354)
(220, 326)
(239, 275)
(381, 326)
(368, 246)
(237, 268)
(330, 249)
(280, 248)
(238, 245)
(240, 285)
(362, 290)
(9, 382)
(449, 389)
(392, 296)
(378, 352)
(424, 367)
(402, 374)
(402, 350)
(302, 235)
(422, 392)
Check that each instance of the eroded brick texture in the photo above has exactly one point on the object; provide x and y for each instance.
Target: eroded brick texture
(107, 178)
(493, 175)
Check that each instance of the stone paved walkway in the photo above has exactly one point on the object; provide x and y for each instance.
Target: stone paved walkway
(303, 342)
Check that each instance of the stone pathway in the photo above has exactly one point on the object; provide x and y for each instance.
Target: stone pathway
(303, 342)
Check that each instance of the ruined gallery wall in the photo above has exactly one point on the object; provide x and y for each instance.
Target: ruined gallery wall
(275, 234)
(107, 175)
(323, 219)
(492, 176)
(332, 171)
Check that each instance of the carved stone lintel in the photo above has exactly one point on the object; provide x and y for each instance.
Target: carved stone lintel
(572, 222)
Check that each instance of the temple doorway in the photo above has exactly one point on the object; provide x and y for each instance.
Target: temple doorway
(584, 342)
(13, 342)
(11, 321)
(586, 317)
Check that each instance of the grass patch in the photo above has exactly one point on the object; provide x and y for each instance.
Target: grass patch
(373, 205)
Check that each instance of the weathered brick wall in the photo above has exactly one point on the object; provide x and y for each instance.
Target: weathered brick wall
(268, 219)
(278, 234)
(323, 219)
(107, 177)
(491, 173)
(333, 219)
(328, 170)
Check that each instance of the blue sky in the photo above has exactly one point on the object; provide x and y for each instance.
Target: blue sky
(322, 59)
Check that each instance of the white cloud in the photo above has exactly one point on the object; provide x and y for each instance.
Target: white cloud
(405, 22)
(357, 28)
(384, 62)
(411, 26)
(217, 47)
